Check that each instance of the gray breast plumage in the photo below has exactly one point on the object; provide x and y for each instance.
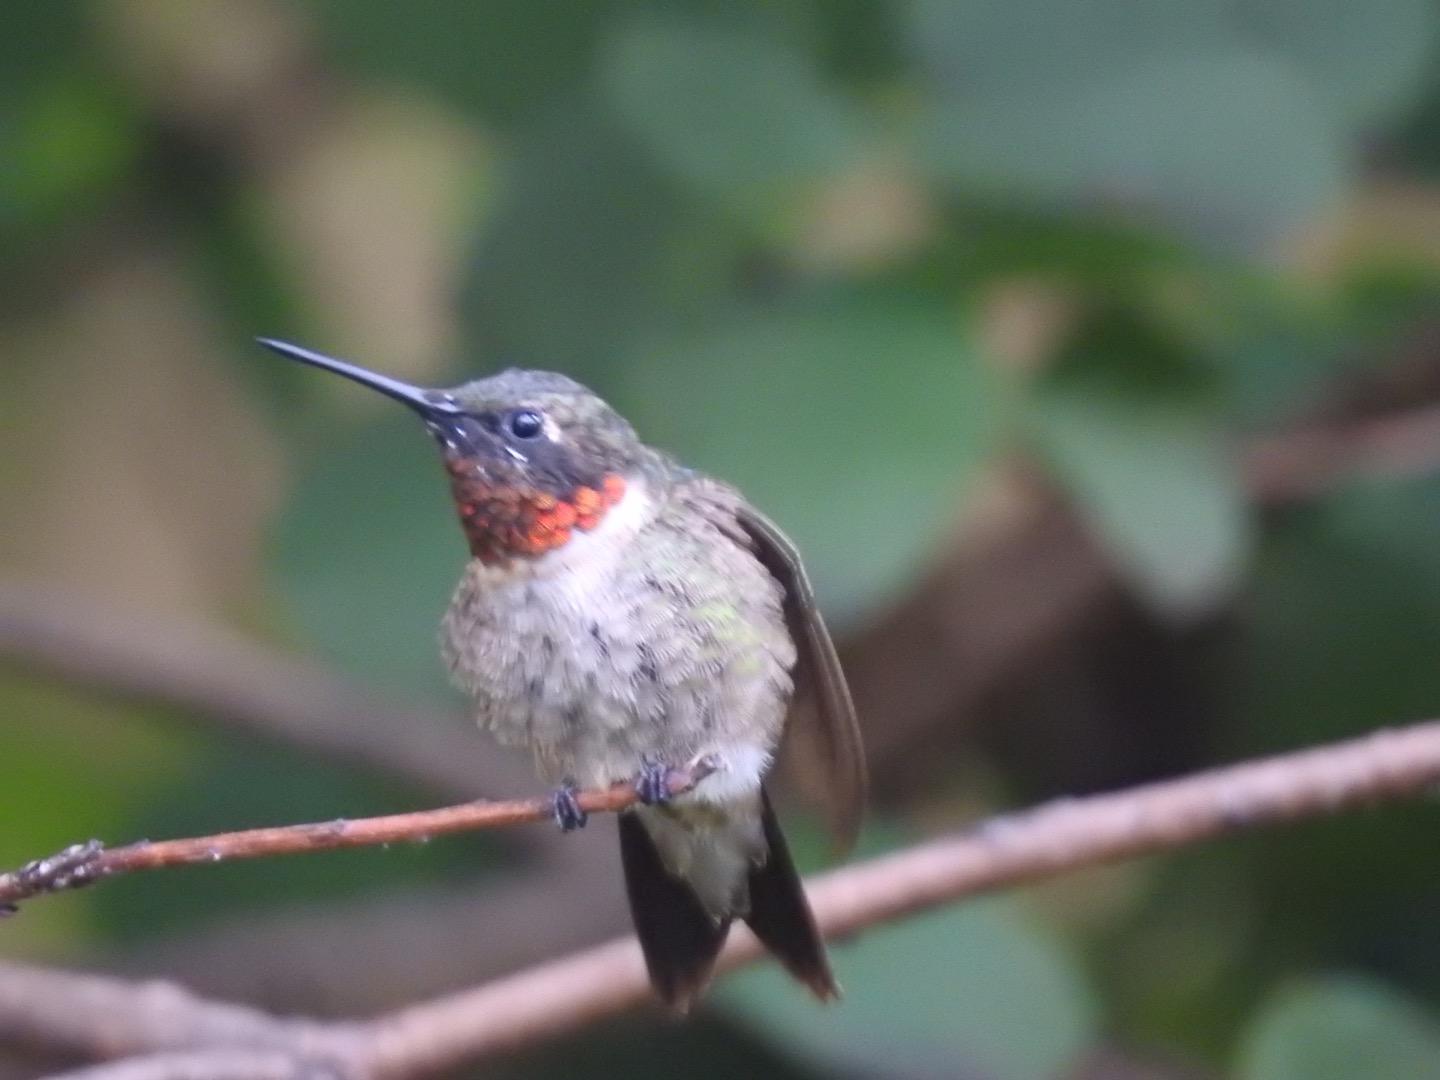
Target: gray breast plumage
(656, 634)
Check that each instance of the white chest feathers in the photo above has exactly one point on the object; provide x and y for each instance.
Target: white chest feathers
(536, 642)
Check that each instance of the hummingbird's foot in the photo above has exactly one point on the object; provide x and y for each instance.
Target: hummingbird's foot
(566, 808)
(652, 786)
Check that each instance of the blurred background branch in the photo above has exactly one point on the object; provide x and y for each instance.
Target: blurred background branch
(207, 671)
(202, 1065)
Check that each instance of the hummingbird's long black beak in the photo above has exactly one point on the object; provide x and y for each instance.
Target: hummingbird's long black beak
(428, 403)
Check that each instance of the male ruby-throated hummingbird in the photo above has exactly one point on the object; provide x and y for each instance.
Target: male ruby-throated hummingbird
(621, 615)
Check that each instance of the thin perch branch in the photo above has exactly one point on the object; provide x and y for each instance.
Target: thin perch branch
(107, 1017)
(83, 864)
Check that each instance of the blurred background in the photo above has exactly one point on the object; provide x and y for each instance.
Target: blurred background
(1090, 350)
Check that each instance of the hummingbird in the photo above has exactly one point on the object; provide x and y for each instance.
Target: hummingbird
(621, 616)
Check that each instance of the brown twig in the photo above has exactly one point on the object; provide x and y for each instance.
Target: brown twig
(232, 1063)
(73, 1012)
(1308, 462)
(83, 864)
(102, 1018)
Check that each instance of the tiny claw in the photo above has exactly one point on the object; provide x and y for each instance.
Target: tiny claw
(566, 808)
(652, 786)
(702, 765)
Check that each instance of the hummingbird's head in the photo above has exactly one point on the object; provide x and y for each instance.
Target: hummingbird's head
(532, 456)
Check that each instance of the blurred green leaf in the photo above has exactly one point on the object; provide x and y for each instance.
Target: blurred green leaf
(1104, 253)
(1280, 349)
(1274, 349)
(81, 764)
(1040, 49)
(1341, 1029)
(710, 1045)
(1130, 429)
(1366, 59)
(1346, 613)
(974, 990)
(1179, 970)
(67, 133)
(1416, 144)
(1228, 145)
(856, 424)
(1360, 59)
(73, 767)
(36, 36)
(1342, 617)
(740, 116)
(503, 59)
(64, 140)
(500, 58)
(591, 249)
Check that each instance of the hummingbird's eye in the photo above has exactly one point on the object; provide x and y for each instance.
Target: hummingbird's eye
(526, 424)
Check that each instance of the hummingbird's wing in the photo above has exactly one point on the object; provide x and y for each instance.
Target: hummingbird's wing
(822, 738)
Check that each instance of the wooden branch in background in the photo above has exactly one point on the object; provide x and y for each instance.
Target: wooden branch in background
(1308, 462)
(206, 670)
(104, 1017)
(235, 1063)
(89, 862)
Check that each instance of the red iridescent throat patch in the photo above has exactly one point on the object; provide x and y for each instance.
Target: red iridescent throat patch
(503, 521)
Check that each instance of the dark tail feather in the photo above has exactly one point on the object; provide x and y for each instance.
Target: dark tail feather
(678, 937)
(780, 915)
